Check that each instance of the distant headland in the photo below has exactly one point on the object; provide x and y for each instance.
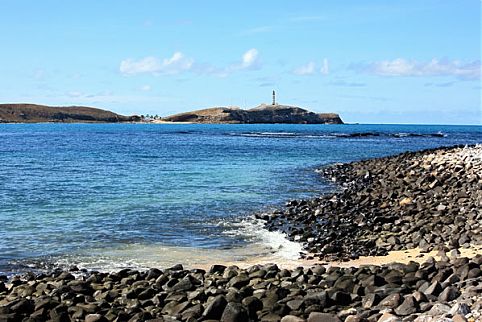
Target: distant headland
(33, 113)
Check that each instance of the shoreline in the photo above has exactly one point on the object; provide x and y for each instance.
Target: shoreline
(439, 277)
(379, 199)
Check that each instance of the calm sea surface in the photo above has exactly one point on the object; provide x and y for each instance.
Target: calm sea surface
(106, 196)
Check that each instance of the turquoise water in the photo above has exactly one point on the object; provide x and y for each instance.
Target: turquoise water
(74, 193)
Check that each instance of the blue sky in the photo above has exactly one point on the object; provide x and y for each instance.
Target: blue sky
(410, 61)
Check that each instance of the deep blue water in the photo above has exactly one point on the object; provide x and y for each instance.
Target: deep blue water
(70, 188)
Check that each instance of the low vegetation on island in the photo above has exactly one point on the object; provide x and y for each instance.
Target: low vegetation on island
(33, 113)
(262, 114)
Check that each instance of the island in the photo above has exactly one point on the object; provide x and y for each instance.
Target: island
(33, 113)
(264, 113)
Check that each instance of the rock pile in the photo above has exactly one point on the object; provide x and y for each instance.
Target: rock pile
(430, 199)
(393, 292)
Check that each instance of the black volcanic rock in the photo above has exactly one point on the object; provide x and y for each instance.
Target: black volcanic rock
(428, 199)
(261, 114)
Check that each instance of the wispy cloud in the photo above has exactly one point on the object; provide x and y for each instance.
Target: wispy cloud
(249, 61)
(344, 83)
(281, 25)
(175, 64)
(256, 30)
(324, 68)
(80, 97)
(179, 63)
(307, 69)
(312, 68)
(435, 67)
(39, 74)
(266, 81)
(83, 95)
(444, 84)
(306, 18)
(366, 97)
(145, 88)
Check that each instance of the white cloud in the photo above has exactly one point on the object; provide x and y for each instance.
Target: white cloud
(435, 67)
(250, 59)
(308, 69)
(306, 18)
(39, 74)
(75, 94)
(145, 88)
(325, 68)
(176, 64)
(313, 68)
(256, 30)
(179, 63)
(84, 95)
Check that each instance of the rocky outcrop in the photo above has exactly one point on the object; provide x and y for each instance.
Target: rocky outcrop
(261, 114)
(32, 113)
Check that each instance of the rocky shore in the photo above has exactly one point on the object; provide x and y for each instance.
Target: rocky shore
(447, 290)
(429, 199)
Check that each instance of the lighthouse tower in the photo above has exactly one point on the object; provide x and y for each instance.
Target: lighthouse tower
(274, 98)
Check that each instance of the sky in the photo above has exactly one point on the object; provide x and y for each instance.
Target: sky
(400, 61)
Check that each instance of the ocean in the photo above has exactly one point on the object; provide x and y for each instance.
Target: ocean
(110, 196)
